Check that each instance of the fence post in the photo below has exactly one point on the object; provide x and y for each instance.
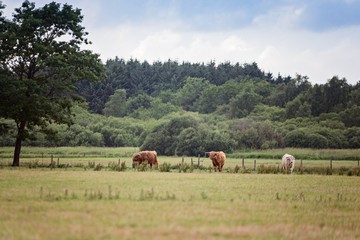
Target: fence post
(254, 164)
(330, 166)
(191, 161)
(358, 163)
(243, 163)
(52, 157)
(58, 161)
(198, 160)
(301, 164)
(182, 161)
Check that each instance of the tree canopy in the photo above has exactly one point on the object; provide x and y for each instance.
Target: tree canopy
(40, 60)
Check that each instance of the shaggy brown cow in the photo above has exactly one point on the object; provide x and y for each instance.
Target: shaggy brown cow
(218, 159)
(149, 157)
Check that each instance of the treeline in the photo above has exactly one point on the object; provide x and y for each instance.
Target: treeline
(186, 109)
(189, 133)
(137, 77)
(231, 90)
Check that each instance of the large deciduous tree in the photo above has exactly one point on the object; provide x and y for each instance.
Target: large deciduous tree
(40, 61)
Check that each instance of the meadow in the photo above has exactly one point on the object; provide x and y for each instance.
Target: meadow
(72, 201)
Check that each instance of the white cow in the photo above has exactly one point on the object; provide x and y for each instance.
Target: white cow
(288, 162)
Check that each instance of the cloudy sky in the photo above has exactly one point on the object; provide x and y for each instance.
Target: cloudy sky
(316, 38)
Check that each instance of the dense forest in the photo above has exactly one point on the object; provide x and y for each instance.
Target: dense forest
(188, 108)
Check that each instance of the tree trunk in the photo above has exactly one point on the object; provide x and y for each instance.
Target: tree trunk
(19, 138)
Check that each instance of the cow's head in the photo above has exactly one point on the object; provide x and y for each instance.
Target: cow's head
(289, 162)
(136, 158)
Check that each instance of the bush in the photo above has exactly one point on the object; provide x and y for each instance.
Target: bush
(119, 166)
(296, 138)
(165, 167)
(268, 169)
(143, 167)
(98, 167)
(316, 140)
(163, 138)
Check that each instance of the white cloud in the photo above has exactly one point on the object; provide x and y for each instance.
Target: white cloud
(273, 40)
(288, 52)
(282, 17)
(234, 43)
(158, 44)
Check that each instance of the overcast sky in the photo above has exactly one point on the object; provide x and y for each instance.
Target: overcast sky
(314, 38)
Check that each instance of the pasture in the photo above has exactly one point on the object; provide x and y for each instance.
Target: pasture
(72, 201)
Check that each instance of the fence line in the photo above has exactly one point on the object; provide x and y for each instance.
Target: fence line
(200, 161)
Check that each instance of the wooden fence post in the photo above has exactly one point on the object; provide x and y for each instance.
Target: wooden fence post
(52, 157)
(254, 164)
(198, 160)
(330, 166)
(58, 161)
(243, 163)
(301, 164)
(182, 161)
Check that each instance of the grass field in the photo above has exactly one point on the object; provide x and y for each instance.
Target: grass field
(341, 158)
(74, 202)
(70, 204)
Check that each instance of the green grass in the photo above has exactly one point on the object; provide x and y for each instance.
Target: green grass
(301, 153)
(69, 152)
(69, 200)
(71, 204)
(85, 157)
(106, 152)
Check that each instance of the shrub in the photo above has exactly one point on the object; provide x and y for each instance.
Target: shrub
(296, 138)
(143, 167)
(119, 166)
(184, 167)
(91, 164)
(98, 167)
(165, 167)
(316, 140)
(268, 169)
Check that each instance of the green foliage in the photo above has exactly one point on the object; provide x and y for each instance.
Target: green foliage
(119, 166)
(191, 91)
(296, 138)
(156, 110)
(165, 167)
(116, 106)
(163, 137)
(190, 142)
(316, 140)
(244, 103)
(143, 167)
(353, 136)
(39, 69)
(255, 135)
(264, 112)
(351, 116)
(98, 167)
(298, 107)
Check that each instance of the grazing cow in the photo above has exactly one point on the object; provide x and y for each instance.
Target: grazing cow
(149, 157)
(218, 160)
(288, 162)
